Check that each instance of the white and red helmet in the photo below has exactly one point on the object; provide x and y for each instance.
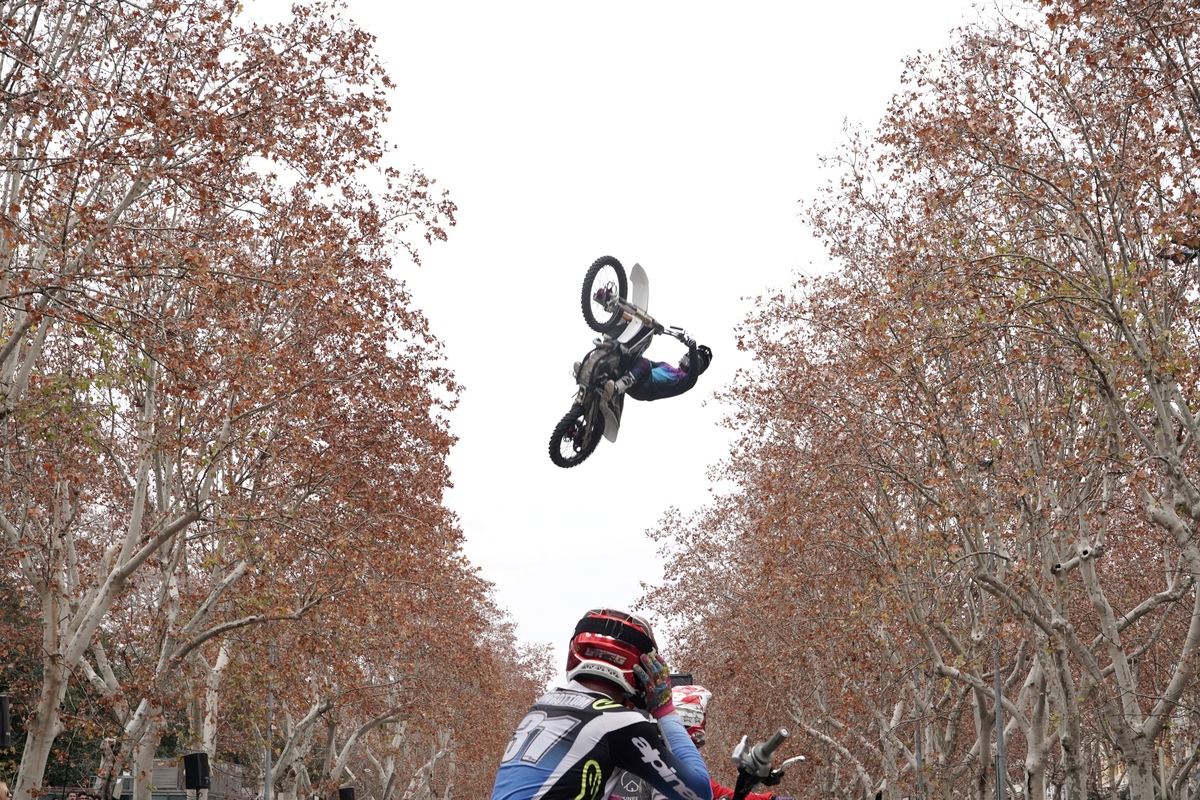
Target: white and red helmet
(691, 704)
(607, 644)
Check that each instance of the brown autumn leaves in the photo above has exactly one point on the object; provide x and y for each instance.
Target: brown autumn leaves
(977, 437)
(222, 434)
(223, 441)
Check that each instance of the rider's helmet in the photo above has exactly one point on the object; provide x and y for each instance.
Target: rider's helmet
(607, 644)
(691, 704)
(703, 356)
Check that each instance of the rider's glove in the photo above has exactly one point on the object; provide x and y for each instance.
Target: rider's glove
(655, 677)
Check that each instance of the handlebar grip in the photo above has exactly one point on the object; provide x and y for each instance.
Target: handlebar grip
(773, 744)
(757, 762)
(764, 752)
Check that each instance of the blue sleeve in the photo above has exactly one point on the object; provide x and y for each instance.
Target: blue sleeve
(690, 767)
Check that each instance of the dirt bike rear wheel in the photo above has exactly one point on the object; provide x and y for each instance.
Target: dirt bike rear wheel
(605, 273)
(573, 439)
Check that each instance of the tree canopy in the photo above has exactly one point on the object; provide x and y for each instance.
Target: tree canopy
(223, 430)
(974, 442)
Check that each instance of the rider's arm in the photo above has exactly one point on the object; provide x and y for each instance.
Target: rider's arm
(681, 743)
(677, 771)
(693, 359)
(687, 379)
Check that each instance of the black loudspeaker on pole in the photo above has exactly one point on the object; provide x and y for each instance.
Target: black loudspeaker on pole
(346, 793)
(5, 724)
(195, 771)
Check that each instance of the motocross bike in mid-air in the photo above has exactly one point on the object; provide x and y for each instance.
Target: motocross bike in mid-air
(610, 309)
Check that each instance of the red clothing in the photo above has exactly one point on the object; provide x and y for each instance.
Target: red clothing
(721, 793)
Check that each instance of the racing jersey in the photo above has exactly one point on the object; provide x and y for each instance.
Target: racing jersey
(573, 743)
(656, 380)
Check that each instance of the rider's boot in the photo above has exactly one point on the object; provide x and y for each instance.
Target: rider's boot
(617, 387)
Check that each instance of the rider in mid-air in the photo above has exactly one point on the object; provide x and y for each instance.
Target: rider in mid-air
(614, 714)
(654, 380)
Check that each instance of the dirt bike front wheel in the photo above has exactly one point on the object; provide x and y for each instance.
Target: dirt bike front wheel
(605, 279)
(574, 439)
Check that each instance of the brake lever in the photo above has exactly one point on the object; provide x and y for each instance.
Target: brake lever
(680, 334)
(777, 774)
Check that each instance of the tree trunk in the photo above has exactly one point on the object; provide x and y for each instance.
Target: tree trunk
(286, 788)
(1035, 785)
(44, 727)
(45, 724)
(144, 750)
(1066, 701)
(1139, 770)
(212, 696)
(1037, 748)
(983, 728)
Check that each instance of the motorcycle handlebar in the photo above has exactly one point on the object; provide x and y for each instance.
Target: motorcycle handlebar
(681, 335)
(758, 760)
(765, 752)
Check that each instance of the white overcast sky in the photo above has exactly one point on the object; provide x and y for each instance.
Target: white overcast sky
(680, 135)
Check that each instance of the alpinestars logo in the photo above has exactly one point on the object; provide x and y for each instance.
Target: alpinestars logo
(652, 757)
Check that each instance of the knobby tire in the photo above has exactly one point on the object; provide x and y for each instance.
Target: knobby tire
(614, 321)
(571, 428)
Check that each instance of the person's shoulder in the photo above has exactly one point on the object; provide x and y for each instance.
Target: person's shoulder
(584, 701)
(609, 706)
(575, 696)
